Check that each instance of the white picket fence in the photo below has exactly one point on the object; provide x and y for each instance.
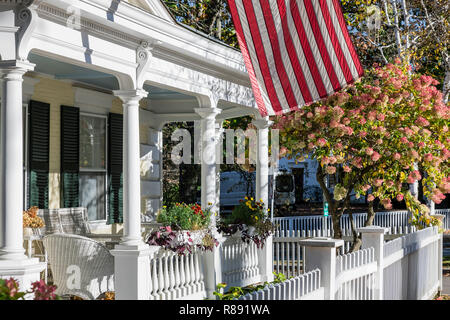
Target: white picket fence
(188, 277)
(240, 263)
(303, 287)
(288, 253)
(413, 266)
(319, 226)
(409, 267)
(355, 274)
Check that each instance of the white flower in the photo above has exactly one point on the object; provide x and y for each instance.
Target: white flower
(339, 192)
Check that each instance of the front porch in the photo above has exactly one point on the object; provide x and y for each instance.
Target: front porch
(82, 111)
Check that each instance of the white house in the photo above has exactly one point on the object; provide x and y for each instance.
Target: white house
(82, 80)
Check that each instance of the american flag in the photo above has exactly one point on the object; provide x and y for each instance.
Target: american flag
(296, 51)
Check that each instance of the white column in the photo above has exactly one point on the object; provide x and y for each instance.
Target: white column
(262, 162)
(11, 171)
(208, 157)
(13, 261)
(262, 193)
(132, 256)
(320, 253)
(373, 237)
(131, 166)
(219, 158)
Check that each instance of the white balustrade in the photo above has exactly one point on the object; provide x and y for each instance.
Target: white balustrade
(176, 277)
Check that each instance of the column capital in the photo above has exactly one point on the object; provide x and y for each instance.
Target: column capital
(18, 67)
(262, 123)
(208, 113)
(130, 95)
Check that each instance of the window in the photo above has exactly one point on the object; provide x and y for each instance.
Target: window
(93, 165)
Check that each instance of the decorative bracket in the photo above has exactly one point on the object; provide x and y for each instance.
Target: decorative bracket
(143, 59)
(25, 20)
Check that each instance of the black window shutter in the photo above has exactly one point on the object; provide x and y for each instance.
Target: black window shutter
(39, 126)
(115, 168)
(70, 156)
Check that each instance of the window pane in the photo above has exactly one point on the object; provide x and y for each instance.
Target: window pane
(92, 142)
(92, 195)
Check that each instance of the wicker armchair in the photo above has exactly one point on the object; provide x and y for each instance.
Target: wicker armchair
(80, 266)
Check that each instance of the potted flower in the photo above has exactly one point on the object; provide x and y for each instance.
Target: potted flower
(249, 220)
(31, 221)
(183, 226)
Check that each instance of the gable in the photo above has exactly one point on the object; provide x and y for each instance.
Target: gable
(155, 7)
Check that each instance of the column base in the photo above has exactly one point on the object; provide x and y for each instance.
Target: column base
(25, 271)
(132, 271)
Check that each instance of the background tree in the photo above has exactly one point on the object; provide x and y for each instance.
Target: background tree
(211, 17)
(415, 30)
(376, 130)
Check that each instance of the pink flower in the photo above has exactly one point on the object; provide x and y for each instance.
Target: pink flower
(421, 121)
(414, 154)
(362, 134)
(310, 115)
(416, 175)
(380, 117)
(428, 157)
(334, 124)
(410, 179)
(378, 182)
(397, 156)
(386, 203)
(321, 142)
(376, 156)
(369, 151)
(370, 198)
(357, 162)
(400, 197)
(347, 169)
(372, 115)
(331, 169)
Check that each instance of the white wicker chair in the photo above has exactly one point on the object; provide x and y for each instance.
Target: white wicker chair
(80, 266)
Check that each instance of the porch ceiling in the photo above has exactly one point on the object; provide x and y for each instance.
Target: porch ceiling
(161, 101)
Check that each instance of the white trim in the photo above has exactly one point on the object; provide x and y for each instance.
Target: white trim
(93, 102)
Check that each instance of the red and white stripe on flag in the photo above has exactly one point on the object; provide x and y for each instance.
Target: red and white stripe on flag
(296, 51)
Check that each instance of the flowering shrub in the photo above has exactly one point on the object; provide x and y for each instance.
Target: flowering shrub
(43, 291)
(169, 239)
(386, 131)
(249, 215)
(185, 217)
(9, 290)
(31, 219)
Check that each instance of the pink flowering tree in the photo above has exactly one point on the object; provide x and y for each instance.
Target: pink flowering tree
(376, 132)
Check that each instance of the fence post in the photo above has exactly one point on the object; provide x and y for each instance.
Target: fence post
(212, 268)
(373, 237)
(265, 257)
(132, 271)
(440, 254)
(320, 253)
